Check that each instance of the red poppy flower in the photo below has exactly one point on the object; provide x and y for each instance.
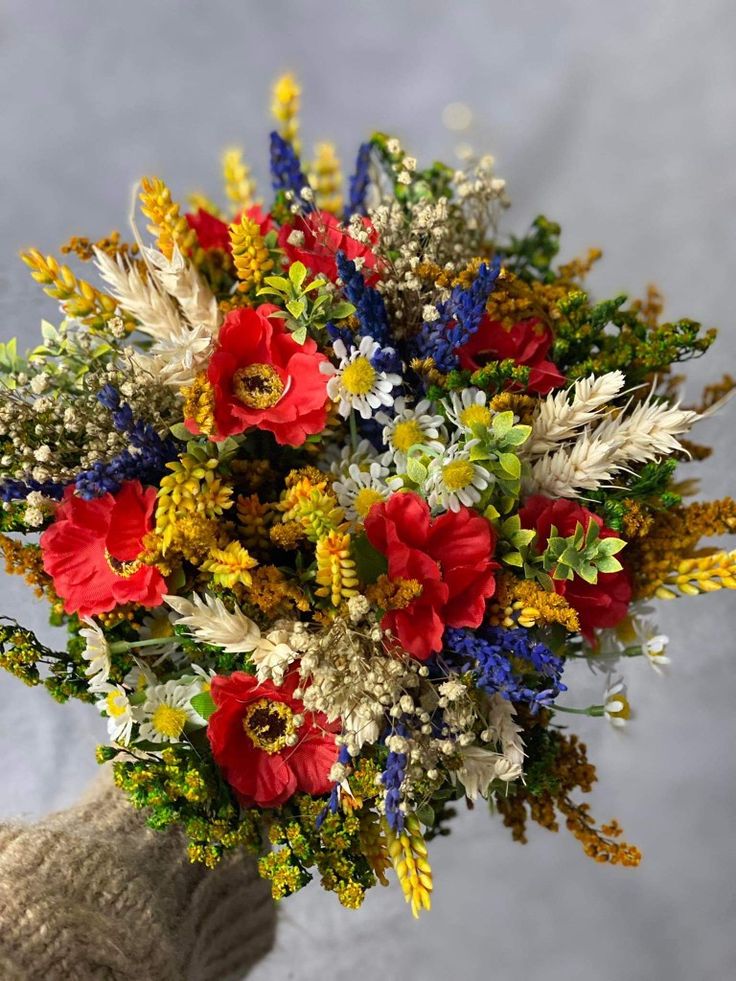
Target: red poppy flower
(214, 233)
(600, 604)
(91, 551)
(526, 343)
(263, 378)
(267, 746)
(449, 556)
(323, 237)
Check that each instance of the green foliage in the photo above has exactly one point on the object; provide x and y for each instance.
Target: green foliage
(60, 672)
(429, 184)
(531, 257)
(583, 554)
(594, 338)
(302, 312)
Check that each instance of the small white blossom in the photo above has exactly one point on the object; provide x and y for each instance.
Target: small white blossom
(454, 480)
(616, 706)
(355, 384)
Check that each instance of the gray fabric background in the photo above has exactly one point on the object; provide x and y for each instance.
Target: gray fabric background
(616, 119)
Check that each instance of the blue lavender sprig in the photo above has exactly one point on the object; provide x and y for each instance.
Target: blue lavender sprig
(286, 169)
(488, 654)
(359, 182)
(392, 779)
(147, 463)
(370, 309)
(18, 490)
(333, 803)
(464, 309)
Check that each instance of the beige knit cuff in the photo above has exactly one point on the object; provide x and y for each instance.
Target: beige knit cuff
(92, 892)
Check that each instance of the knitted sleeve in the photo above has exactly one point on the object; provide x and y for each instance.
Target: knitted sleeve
(92, 893)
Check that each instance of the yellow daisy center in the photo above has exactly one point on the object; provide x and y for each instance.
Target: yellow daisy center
(458, 475)
(168, 720)
(619, 708)
(258, 386)
(269, 725)
(116, 704)
(476, 415)
(407, 434)
(365, 499)
(161, 627)
(359, 376)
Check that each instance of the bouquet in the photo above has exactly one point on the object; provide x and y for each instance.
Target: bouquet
(328, 490)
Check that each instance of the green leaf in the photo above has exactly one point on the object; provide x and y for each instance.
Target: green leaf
(502, 423)
(297, 273)
(514, 558)
(511, 464)
(300, 334)
(416, 470)
(341, 310)
(279, 283)
(369, 562)
(607, 563)
(296, 307)
(180, 431)
(203, 704)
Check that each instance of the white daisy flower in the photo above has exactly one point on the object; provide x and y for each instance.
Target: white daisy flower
(410, 426)
(454, 480)
(616, 707)
(167, 711)
(655, 648)
(339, 460)
(97, 652)
(355, 383)
(157, 626)
(139, 677)
(359, 489)
(116, 706)
(468, 409)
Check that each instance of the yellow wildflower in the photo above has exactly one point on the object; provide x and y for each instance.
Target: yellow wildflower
(285, 107)
(374, 845)
(254, 519)
(325, 179)
(250, 254)
(336, 575)
(239, 185)
(700, 574)
(408, 852)
(393, 594)
(77, 298)
(230, 565)
(167, 224)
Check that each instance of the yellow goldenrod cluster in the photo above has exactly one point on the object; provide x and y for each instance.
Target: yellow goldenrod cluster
(285, 107)
(526, 603)
(230, 565)
(27, 561)
(336, 576)
(665, 556)
(275, 595)
(250, 254)
(199, 403)
(112, 245)
(515, 299)
(190, 499)
(78, 298)
(393, 594)
(325, 179)
(167, 224)
(239, 185)
(522, 406)
(408, 852)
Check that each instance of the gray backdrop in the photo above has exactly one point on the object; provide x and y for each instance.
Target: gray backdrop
(617, 119)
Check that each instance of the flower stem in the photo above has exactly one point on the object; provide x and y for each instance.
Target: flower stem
(592, 710)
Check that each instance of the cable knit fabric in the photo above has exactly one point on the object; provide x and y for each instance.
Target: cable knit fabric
(91, 892)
